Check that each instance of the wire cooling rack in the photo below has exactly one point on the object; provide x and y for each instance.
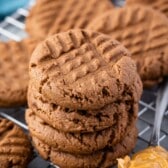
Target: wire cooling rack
(13, 28)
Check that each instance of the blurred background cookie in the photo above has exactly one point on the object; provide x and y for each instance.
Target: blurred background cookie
(144, 31)
(54, 16)
(14, 71)
(161, 5)
(15, 147)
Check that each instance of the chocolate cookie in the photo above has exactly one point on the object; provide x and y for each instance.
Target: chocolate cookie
(81, 69)
(14, 62)
(69, 120)
(100, 159)
(57, 16)
(15, 148)
(83, 143)
(161, 5)
(144, 32)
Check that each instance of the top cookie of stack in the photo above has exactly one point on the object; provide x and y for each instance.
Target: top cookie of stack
(82, 70)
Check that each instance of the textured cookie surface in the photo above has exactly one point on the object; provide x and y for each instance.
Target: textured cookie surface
(101, 159)
(144, 32)
(83, 143)
(58, 16)
(14, 60)
(161, 5)
(80, 69)
(15, 148)
(68, 120)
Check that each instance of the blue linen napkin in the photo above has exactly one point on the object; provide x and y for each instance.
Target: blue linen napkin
(7, 7)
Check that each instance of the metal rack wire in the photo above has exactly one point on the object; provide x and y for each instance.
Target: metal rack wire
(13, 28)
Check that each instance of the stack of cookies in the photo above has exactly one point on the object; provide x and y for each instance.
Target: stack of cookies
(83, 99)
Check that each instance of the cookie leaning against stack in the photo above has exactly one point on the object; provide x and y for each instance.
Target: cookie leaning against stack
(14, 76)
(15, 148)
(54, 16)
(83, 99)
(144, 31)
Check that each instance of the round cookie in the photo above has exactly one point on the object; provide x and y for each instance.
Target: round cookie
(161, 5)
(14, 62)
(58, 16)
(15, 148)
(144, 32)
(81, 69)
(68, 120)
(101, 159)
(83, 143)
